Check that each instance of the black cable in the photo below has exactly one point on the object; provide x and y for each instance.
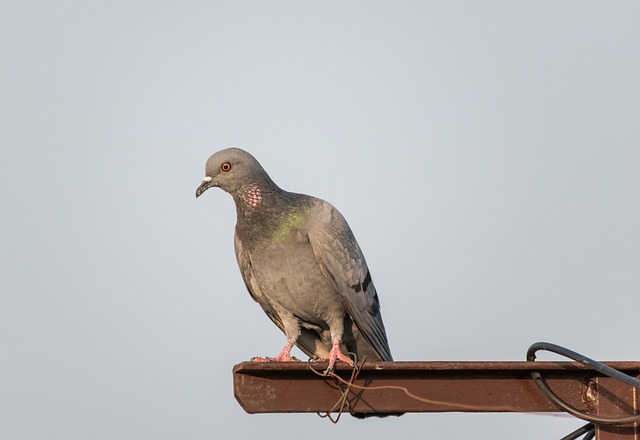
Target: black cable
(595, 365)
(587, 429)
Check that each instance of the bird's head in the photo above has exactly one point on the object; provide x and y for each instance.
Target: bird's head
(231, 169)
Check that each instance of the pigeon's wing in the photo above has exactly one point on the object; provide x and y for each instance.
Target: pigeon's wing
(253, 286)
(342, 262)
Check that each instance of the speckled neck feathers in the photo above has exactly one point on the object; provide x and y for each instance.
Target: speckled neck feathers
(249, 196)
(267, 214)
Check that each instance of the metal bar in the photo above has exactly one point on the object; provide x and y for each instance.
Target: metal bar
(433, 386)
(613, 398)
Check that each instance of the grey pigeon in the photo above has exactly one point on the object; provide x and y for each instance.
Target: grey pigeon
(301, 263)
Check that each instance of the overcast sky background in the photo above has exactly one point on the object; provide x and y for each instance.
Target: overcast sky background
(486, 155)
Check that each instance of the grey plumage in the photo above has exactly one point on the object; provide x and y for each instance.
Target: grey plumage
(301, 263)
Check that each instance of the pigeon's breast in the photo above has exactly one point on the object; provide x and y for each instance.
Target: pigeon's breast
(289, 275)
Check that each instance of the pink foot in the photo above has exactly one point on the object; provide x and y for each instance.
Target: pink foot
(284, 356)
(336, 355)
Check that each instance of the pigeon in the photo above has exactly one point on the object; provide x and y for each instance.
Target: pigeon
(301, 263)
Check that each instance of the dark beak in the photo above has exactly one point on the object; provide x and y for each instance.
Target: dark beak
(205, 185)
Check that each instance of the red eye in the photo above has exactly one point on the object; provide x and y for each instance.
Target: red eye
(225, 167)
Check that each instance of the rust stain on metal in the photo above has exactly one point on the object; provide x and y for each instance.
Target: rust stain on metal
(589, 395)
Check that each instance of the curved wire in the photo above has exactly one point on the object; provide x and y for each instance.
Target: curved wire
(595, 365)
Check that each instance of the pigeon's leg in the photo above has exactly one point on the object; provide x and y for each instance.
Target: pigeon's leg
(335, 354)
(285, 354)
(292, 330)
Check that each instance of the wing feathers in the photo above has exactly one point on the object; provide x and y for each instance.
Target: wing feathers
(344, 265)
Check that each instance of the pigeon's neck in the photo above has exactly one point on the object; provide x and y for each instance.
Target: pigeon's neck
(268, 214)
(257, 200)
(249, 197)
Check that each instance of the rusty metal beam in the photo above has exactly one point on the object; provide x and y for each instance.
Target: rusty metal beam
(439, 387)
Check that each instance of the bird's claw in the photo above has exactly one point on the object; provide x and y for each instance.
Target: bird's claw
(274, 359)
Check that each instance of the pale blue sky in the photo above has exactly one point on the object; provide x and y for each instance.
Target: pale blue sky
(486, 155)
